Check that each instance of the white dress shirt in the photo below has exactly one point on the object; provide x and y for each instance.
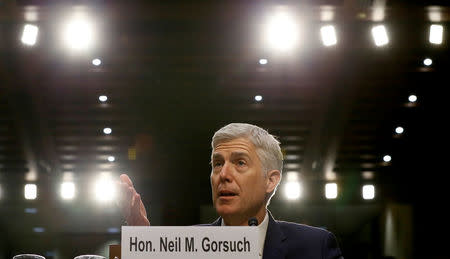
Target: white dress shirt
(262, 230)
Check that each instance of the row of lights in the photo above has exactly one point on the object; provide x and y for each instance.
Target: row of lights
(282, 33)
(104, 189)
(293, 189)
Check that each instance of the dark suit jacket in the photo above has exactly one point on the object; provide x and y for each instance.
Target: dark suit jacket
(291, 240)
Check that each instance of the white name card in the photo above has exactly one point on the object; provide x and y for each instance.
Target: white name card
(189, 242)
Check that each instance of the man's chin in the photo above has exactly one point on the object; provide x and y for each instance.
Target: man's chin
(225, 210)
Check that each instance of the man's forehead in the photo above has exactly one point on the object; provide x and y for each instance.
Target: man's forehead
(240, 145)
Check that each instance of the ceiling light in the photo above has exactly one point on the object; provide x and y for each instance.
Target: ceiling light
(331, 190)
(258, 98)
(39, 230)
(103, 98)
(96, 62)
(30, 210)
(282, 32)
(78, 34)
(436, 32)
(111, 159)
(380, 35)
(328, 35)
(368, 192)
(67, 190)
(399, 130)
(387, 158)
(427, 62)
(412, 98)
(30, 191)
(107, 131)
(29, 34)
(263, 61)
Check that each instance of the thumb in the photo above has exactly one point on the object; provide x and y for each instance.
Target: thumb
(126, 179)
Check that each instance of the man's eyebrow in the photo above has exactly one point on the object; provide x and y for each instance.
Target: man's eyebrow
(216, 156)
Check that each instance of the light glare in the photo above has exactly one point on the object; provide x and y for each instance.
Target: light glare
(263, 61)
(282, 32)
(387, 158)
(111, 159)
(30, 191)
(368, 192)
(67, 190)
(328, 35)
(427, 62)
(105, 189)
(380, 35)
(258, 98)
(78, 34)
(331, 190)
(29, 34)
(436, 32)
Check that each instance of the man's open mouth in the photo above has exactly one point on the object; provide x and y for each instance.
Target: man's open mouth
(226, 194)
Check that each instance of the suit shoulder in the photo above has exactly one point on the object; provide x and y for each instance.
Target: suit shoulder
(296, 229)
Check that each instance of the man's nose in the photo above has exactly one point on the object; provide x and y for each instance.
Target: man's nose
(226, 173)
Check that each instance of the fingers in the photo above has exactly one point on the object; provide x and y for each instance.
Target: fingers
(125, 179)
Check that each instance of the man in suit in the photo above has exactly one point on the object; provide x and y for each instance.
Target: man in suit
(246, 166)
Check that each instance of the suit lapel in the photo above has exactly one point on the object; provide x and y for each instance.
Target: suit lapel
(274, 246)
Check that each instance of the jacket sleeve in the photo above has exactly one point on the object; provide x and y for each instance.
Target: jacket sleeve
(330, 248)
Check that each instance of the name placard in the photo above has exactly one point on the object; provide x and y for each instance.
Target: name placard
(189, 242)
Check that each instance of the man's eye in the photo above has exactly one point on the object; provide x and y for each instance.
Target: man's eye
(216, 164)
(241, 162)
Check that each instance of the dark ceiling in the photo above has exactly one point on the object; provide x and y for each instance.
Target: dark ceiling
(176, 72)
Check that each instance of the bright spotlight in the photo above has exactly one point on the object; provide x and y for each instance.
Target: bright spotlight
(292, 190)
(263, 61)
(282, 32)
(331, 190)
(436, 32)
(412, 98)
(399, 130)
(96, 62)
(29, 34)
(368, 192)
(107, 131)
(328, 35)
(67, 190)
(387, 158)
(292, 187)
(78, 34)
(380, 35)
(427, 62)
(105, 189)
(30, 191)
(258, 98)
(111, 159)
(103, 98)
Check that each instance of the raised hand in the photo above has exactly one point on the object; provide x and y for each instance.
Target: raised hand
(130, 203)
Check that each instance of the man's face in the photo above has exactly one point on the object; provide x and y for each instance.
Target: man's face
(239, 186)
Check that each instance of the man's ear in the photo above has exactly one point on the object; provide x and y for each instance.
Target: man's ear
(273, 178)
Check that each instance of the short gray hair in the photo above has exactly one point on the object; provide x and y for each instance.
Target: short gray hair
(267, 146)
